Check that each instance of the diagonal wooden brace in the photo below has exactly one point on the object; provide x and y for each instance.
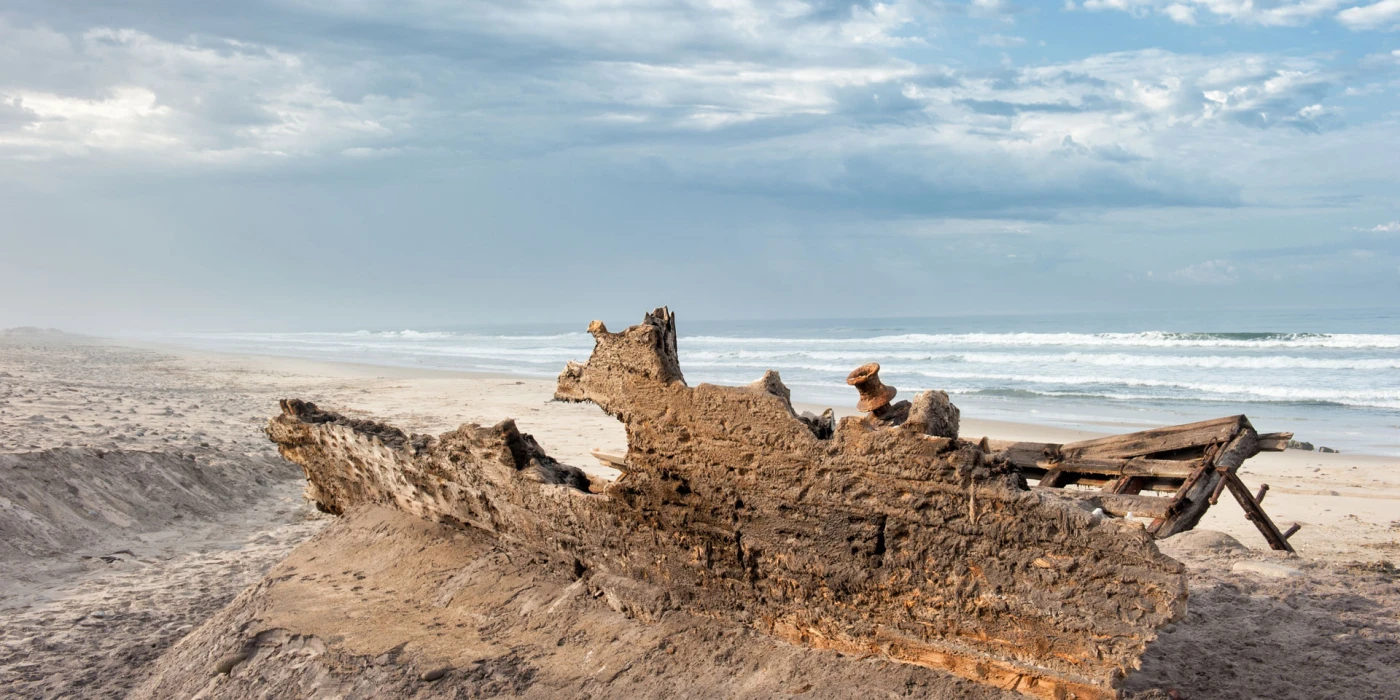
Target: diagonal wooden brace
(1256, 514)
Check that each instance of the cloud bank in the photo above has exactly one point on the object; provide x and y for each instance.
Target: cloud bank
(1098, 132)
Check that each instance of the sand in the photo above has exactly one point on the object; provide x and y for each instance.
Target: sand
(1329, 630)
(402, 597)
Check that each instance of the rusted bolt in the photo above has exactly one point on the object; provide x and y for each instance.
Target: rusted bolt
(874, 395)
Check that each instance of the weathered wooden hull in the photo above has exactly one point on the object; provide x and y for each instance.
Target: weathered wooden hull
(880, 539)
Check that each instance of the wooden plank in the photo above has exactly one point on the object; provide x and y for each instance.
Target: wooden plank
(1274, 442)
(1148, 442)
(609, 459)
(1138, 466)
(1121, 505)
(1023, 454)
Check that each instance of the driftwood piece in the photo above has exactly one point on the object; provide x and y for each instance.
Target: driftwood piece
(878, 540)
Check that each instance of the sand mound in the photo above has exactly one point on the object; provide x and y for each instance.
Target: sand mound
(1201, 542)
(108, 557)
(60, 502)
(382, 601)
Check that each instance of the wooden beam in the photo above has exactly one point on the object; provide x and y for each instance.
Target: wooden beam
(1149, 442)
(1256, 514)
(1194, 497)
(1121, 504)
(609, 459)
(1023, 454)
(1274, 442)
(1137, 466)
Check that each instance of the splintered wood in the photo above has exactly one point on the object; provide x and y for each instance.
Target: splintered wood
(1188, 465)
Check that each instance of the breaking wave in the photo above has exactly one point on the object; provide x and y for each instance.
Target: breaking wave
(1149, 339)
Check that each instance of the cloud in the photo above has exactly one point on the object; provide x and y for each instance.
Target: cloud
(1179, 13)
(1001, 41)
(124, 92)
(1382, 15)
(1391, 227)
(815, 103)
(683, 136)
(15, 115)
(1276, 13)
(1209, 272)
(645, 29)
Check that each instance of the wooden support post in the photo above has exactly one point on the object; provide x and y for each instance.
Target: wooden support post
(1256, 514)
(1126, 484)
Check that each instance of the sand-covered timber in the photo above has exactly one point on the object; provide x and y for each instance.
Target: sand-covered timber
(882, 539)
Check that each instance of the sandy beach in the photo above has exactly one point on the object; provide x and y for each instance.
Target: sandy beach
(92, 598)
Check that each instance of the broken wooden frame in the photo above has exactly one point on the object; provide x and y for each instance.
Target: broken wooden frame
(1189, 464)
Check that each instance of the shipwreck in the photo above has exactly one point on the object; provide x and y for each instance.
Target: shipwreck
(879, 534)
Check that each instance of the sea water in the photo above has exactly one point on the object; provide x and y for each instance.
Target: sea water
(1332, 377)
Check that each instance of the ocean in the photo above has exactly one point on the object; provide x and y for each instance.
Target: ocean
(1332, 377)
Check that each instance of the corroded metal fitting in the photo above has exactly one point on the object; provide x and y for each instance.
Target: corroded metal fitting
(874, 395)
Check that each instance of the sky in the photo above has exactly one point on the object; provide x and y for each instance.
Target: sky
(345, 164)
